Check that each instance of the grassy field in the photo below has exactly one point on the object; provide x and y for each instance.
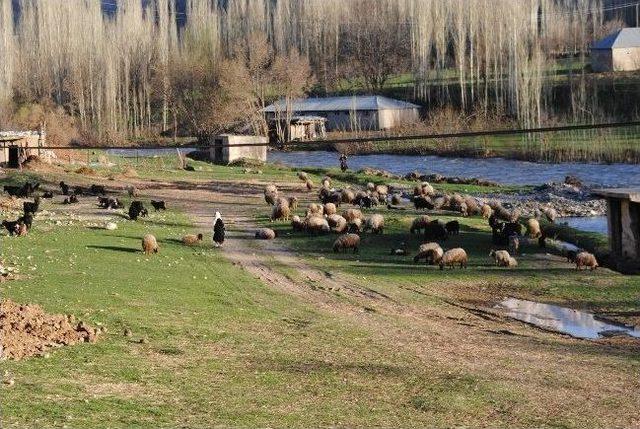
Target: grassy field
(224, 348)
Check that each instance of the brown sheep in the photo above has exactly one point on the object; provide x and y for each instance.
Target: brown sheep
(586, 259)
(375, 223)
(317, 224)
(533, 228)
(309, 185)
(315, 209)
(280, 212)
(297, 224)
(454, 256)
(347, 241)
(551, 214)
(303, 176)
(430, 252)
(265, 234)
(191, 239)
(487, 211)
(500, 257)
(326, 182)
(348, 196)
(270, 189)
(351, 214)
(149, 244)
(396, 199)
(472, 205)
(419, 224)
(330, 209)
(355, 225)
(337, 223)
(271, 198)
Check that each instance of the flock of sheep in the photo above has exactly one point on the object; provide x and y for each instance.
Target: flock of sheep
(325, 217)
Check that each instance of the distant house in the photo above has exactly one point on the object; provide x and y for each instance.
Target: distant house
(353, 113)
(227, 148)
(619, 51)
(12, 143)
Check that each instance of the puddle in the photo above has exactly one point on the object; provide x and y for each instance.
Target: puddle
(576, 323)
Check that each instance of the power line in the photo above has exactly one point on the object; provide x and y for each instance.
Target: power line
(379, 138)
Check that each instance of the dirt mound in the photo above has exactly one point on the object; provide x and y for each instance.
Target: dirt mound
(87, 171)
(10, 203)
(26, 330)
(129, 172)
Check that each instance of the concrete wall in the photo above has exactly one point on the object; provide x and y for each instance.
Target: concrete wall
(30, 142)
(627, 59)
(227, 153)
(388, 119)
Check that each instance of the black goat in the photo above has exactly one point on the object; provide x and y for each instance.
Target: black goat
(422, 202)
(27, 220)
(136, 210)
(97, 190)
(109, 203)
(64, 188)
(71, 200)
(158, 205)
(47, 194)
(31, 207)
(435, 230)
(453, 227)
(13, 227)
(23, 191)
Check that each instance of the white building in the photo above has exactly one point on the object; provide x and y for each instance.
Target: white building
(619, 51)
(354, 113)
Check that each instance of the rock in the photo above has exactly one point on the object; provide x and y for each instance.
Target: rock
(111, 226)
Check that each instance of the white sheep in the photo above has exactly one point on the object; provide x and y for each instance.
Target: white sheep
(430, 252)
(347, 241)
(149, 244)
(351, 214)
(454, 256)
(375, 223)
(586, 259)
(317, 224)
(280, 212)
(337, 223)
(265, 234)
(533, 228)
(330, 209)
(297, 224)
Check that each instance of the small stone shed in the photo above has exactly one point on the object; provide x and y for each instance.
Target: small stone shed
(623, 213)
(11, 142)
(227, 148)
(299, 128)
(350, 113)
(619, 51)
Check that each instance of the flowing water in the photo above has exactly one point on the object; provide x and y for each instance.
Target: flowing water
(505, 171)
(576, 323)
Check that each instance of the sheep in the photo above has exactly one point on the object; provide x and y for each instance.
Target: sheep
(551, 214)
(31, 207)
(149, 244)
(330, 209)
(383, 191)
(293, 202)
(423, 202)
(435, 230)
(454, 256)
(472, 205)
(265, 234)
(430, 252)
(453, 227)
(270, 198)
(348, 196)
(586, 259)
(439, 202)
(326, 182)
(337, 223)
(317, 225)
(486, 211)
(396, 199)
(191, 239)
(351, 214)
(158, 205)
(132, 191)
(375, 223)
(303, 176)
(355, 225)
(71, 200)
(533, 228)
(297, 224)
(419, 224)
(371, 187)
(270, 189)
(309, 185)
(109, 203)
(514, 244)
(424, 189)
(500, 257)
(331, 197)
(280, 212)
(315, 209)
(512, 262)
(347, 241)
(367, 201)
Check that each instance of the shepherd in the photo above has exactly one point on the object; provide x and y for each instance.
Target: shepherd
(343, 162)
(218, 230)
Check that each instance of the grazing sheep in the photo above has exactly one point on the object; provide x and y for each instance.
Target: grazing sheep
(351, 214)
(331, 197)
(514, 244)
(136, 210)
(403, 250)
(396, 199)
(586, 259)
(317, 225)
(218, 230)
(326, 182)
(158, 205)
(31, 207)
(270, 198)
(472, 205)
(192, 239)
(430, 252)
(280, 212)
(149, 244)
(293, 202)
(367, 201)
(533, 228)
(439, 202)
(454, 256)
(419, 224)
(132, 191)
(426, 189)
(551, 214)
(512, 262)
(423, 202)
(297, 224)
(315, 209)
(303, 176)
(500, 257)
(435, 230)
(355, 226)
(330, 209)
(110, 203)
(265, 234)
(270, 189)
(71, 200)
(375, 223)
(453, 227)
(371, 186)
(337, 223)
(383, 191)
(486, 211)
(309, 185)
(347, 241)
(348, 196)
